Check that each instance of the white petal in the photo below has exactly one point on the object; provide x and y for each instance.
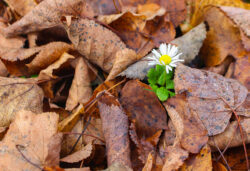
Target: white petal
(170, 68)
(168, 49)
(172, 64)
(157, 54)
(173, 51)
(167, 70)
(177, 60)
(177, 56)
(163, 49)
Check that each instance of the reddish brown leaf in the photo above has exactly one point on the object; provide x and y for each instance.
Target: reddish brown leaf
(26, 138)
(208, 93)
(115, 129)
(189, 131)
(143, 108)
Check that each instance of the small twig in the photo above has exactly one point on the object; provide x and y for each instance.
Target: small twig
(34, 164)
(228, 167)
(117, 9)
(69, 133)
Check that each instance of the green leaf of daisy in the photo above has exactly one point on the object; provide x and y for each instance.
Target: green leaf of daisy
(162, 93)
(170, 84)
(171, 94)
(152, 76)
(154, 87)
(162, 79)
(169, 75)
(159, 69)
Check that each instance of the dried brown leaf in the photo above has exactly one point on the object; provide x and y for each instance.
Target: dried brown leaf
(22, 7)
(77, 156)
(175, 157)
(30, 135)
(201, 161)
(80, 90)
(232, 135)
(143, 108)
(223, 38)
(97, 43)
(17, 94)
(189, 131)
(115, 129)
(207, 95)
(45, 15)
(3, 70)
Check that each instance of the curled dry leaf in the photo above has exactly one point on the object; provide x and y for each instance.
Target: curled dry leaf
(143, 108)
(189, 44)
(32, 136)
(223, 38)
(232, 135)
(197, 10)
(22, 7)
(175, 157)
(77, 156)
(115, 129)
(80, 90)
(201, 161)
(16, 60)
(209, 95)
(45, 15)
(3, 70)
(17, 94)
(189, 131)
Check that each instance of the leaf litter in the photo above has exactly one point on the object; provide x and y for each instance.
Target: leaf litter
(79, 106)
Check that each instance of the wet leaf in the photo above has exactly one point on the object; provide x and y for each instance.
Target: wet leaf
(26, 138)
(80, 90)
(17, 94)
(115, 130)
(208, 93)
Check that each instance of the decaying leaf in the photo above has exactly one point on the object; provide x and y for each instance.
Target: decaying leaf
(223, 38)
(26, 138)
(80, 90)
(149, 164)
(201, 161)
(143, 108)
(189, 131)
(99, 45)
(118, 166)
(115, 130)
(232, 135)
(22, 7)
(47, 14)
(209, 95)
(17, 94)
(175, 157)
(3, 70)
(77, 156)
(189, 44)
(198, 8)
(18, 61)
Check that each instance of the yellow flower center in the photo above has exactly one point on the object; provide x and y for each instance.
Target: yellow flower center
(166, 59)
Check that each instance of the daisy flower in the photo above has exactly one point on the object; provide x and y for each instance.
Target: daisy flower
(168, 56)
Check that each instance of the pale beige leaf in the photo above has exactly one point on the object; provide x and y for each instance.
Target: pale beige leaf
(22, 7)
(80, 90)
(77, 156)
(30, 134)
(17, 94)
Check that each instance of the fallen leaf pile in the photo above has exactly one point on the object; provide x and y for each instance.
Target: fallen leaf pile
(74, 94)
